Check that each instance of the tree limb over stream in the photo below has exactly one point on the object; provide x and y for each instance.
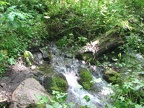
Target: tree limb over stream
(100, 46)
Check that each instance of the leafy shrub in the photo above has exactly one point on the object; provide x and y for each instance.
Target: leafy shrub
(3, 63)
(129, 95)
(58, 101)
(20, 28)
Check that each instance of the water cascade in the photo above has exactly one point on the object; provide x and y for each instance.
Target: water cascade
(69, 67)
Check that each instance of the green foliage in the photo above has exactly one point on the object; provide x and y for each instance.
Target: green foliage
(3, 63)
(129, 95)
(59, 101)
(11, 61)
(26, 24)
(33, 5)
(21, 27)
(86, 20)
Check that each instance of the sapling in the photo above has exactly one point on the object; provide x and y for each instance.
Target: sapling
(28, 55)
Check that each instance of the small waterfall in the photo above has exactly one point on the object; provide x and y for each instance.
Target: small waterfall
(79, 93)
(69, 68)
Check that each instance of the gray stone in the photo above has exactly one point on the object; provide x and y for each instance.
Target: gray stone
(112, 76)
(38, 58)
(47, 55)
(25, 93)
(39, 55)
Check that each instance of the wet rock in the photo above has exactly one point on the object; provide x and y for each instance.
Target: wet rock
(38, 58)
(140, 58)
(112, 76)
(56, 82)
(87, 56)
(19, 67)
(68, 56)
(85, 78)
(25, 93)
(46, 54)
(4, 81)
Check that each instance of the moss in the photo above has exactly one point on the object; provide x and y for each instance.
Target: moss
(59, 84)
(85, 78)
(112, 76)
(87, 56)
(56, 83)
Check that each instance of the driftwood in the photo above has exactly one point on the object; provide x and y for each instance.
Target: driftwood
(101, 45)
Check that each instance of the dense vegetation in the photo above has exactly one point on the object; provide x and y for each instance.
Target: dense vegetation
(28, 24)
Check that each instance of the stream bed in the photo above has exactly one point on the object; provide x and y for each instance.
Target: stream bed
(67, 65)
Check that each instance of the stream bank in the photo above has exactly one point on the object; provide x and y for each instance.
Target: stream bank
(47, 64)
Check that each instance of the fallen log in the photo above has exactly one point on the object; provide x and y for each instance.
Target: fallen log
(100, 46)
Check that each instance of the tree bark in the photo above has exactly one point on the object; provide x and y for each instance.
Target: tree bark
(102, 44)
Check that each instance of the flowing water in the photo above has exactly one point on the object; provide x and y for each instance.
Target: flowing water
(69, 67)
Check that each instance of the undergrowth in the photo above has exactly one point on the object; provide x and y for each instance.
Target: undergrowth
(26, 24)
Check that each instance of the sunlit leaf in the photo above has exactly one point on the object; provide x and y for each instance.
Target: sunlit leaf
(57, 105)
(11, 61)
(49, 106)
(138, 106)
(11, 16)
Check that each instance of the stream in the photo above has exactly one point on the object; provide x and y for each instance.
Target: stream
(69, 67)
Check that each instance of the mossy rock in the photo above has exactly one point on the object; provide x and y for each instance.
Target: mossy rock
(112, 76)
(85, 78)
(57, 83)
(87, 56)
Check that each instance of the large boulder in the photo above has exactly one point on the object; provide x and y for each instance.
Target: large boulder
(26, 92)
(112, 76)
(8, 84)
(85, 78)
(56, 82)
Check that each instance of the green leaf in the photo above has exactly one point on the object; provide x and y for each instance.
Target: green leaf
(70, 105)
(3, 3)
(87, 98)
(11, 61)
(119, 56)
(138, 106)
(49, 106)
(20, 15)
(57, 105)
(11, 16)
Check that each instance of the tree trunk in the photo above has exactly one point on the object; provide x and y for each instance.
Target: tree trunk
(100, 46)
